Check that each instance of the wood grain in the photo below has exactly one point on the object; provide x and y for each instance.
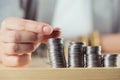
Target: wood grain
(59, 74)
(39, 69)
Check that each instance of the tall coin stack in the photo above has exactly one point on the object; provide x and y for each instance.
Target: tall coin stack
(56, 53)
(93, 56)
(110, 60)
(76, 54)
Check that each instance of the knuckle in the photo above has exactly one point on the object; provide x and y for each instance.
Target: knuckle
(31, 25)
(30, 47)
(9, 48)
(10, 36)
(33, 37)
(25, 48)
(14, 36)
(13, 48)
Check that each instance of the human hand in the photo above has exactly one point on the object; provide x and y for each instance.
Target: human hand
(20, 37)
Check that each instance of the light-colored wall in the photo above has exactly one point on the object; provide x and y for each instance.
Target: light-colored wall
(102, 15)
(75, 17)
(10, 8)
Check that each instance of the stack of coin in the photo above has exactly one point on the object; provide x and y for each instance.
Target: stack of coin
(93, 56)
(94, 39)
(84, 39)
(110, 60)
(56, 53)
(76, 54)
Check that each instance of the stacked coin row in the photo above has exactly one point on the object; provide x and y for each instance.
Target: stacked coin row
(79, 55)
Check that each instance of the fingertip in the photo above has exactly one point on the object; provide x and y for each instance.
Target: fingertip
(54, 34)
(47, 29)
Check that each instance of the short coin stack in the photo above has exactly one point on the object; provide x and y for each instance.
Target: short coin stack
(56, 53)
(93, 56)
(76, 54)
(110, 60)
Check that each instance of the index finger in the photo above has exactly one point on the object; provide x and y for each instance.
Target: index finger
(27, 25)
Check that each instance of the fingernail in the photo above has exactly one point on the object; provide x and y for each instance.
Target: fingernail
(47, 29)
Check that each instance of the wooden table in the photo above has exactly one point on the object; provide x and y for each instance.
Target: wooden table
(39, 69)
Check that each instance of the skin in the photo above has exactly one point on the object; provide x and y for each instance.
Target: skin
(110, 43)
(20, 37)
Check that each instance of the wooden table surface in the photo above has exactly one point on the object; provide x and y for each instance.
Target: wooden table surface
(39, 69)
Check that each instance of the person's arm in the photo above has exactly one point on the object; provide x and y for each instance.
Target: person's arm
(110, 43)
(18, 39)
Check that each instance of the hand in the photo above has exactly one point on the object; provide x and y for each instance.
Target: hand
(20, 37)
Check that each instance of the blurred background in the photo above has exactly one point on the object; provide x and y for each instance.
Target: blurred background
(75, 17)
